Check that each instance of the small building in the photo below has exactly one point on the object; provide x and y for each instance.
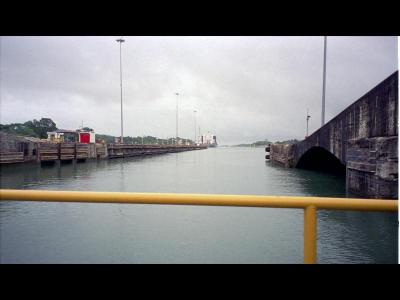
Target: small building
(86, 137)
(71, 136)
(63, 136)
(117, 140)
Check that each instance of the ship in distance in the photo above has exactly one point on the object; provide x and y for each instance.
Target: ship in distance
(209, 139)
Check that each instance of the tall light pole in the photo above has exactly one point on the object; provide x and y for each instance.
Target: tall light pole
(200, 136)
(120, 41)
(308, 117)
(177, 96)
(323, 86)
(195, 131)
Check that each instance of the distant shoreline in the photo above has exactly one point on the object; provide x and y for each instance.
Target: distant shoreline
(244, 146)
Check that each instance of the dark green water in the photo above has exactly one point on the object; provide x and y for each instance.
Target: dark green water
(122, 233)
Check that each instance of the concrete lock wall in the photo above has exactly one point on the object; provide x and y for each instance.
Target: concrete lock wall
(17, 148)
(364, 138)
(282, 154)
(372, 167)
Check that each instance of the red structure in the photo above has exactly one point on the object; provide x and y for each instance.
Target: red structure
(84, 137)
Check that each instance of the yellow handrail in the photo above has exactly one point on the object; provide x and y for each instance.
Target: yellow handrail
(309, 204)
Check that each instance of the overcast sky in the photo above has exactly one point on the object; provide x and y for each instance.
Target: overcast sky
(244, 88)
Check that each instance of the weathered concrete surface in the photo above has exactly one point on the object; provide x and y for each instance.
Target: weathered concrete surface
(283, 154)
(12, 146)
(372, 167)
(125, 150)
(363, 137)
(100, 151)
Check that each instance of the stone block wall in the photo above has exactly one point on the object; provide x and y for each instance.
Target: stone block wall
(282, 154)
(372, 167)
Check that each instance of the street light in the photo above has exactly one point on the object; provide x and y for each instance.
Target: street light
(195, 131)
(177, 95)
(308, 117)
(200, 137)
(323, 86)
(120, 41)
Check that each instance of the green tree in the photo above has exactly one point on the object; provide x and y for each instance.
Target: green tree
(18, 129)
(41, 127)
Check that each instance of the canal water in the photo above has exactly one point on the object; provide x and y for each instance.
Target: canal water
(123, 233)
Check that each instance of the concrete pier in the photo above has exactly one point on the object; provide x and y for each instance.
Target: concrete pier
(124, 150)
(19, 149)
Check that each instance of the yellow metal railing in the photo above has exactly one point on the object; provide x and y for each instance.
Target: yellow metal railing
(309, 204)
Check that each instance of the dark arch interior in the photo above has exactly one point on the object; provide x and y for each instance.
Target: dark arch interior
(319, 159)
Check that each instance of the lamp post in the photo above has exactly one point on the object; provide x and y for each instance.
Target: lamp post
(176, 137)
(120, 41)
(323, 86)
(308, 117)
(195, 131)
(200, 138)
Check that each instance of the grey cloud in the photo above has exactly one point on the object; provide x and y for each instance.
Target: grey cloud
(244, 88)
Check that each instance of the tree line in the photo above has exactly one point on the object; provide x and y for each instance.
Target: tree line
(266, 142)
(32, 128)
(39, 129)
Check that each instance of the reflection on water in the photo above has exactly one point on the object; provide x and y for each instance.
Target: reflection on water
(114, 233)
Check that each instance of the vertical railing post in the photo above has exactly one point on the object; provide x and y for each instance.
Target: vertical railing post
(310, 234)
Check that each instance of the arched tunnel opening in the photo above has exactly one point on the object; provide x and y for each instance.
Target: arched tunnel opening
(319, 159)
